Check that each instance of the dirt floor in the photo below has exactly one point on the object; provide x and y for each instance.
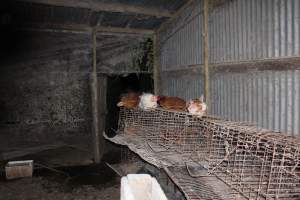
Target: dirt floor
(76, 183)
(64, 173)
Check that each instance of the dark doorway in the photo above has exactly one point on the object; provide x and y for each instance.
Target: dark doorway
(117, 85)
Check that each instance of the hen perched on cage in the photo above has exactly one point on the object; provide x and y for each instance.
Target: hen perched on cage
(148, 101)
(197, 107)
(172, 103)
(129, 100)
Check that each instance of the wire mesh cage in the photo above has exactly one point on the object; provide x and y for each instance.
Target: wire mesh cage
(257, 163)
(178, 131)
(139, 122)
(173, 130)
(128, 156)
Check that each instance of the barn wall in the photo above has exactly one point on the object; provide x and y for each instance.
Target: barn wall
(185, 84)
(45, 93)
(118, 53)
(258, 29)
(180, 41)
(245, 34)
(267, 98)
(179, 44)
(45, 84)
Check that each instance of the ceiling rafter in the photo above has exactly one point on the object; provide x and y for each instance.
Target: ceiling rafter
(124, 30)
(84, 29)
(176, 14)
(109, 7)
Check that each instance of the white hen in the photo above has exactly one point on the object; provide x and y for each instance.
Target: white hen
(148, 101)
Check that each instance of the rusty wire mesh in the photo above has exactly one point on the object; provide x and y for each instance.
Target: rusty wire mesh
(128, 156)
(204, 187)
(258, 163)
(172, 130)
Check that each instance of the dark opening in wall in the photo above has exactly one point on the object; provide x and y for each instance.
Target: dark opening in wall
(13, 42)
(117, 85)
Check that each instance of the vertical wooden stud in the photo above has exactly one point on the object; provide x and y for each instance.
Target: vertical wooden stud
(205, 51)
(97, 136)
(156, 68)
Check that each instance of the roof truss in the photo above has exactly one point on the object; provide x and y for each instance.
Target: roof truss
(109, 7)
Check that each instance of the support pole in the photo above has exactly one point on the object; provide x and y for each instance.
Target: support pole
(97, 137)
(205, 52)
(156, 68)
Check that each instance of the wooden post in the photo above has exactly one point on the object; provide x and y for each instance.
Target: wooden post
(156, 68)
(97, 136)
(102, 84)
(205, 51)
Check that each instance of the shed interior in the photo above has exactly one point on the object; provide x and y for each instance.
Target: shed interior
(65, 63)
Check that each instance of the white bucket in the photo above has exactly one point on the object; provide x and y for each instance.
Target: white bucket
(141, 187)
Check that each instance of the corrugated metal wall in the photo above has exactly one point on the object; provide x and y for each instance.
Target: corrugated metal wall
(181, 44)
(240, 30)
(243, 30)
(186, 86)
(270, 99)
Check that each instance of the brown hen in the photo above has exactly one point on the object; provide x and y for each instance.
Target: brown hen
(172, 103)
(129, 100)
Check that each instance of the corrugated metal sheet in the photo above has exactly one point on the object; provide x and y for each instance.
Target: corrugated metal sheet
(163, 4)
(186, 86)
(38, 13)
(239, 30)
(181, 46)
(26, 14)
(243, 30)
(270, 99)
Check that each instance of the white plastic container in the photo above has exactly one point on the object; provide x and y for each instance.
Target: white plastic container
(141, 187)
(18, 169)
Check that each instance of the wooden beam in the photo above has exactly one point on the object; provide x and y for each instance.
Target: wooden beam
(176, 14)
(80, 28)
(102, 91)
(205, 51)
(55, 30)
(97, 136)
(156, 68)
(109, 7)
(124, 30)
